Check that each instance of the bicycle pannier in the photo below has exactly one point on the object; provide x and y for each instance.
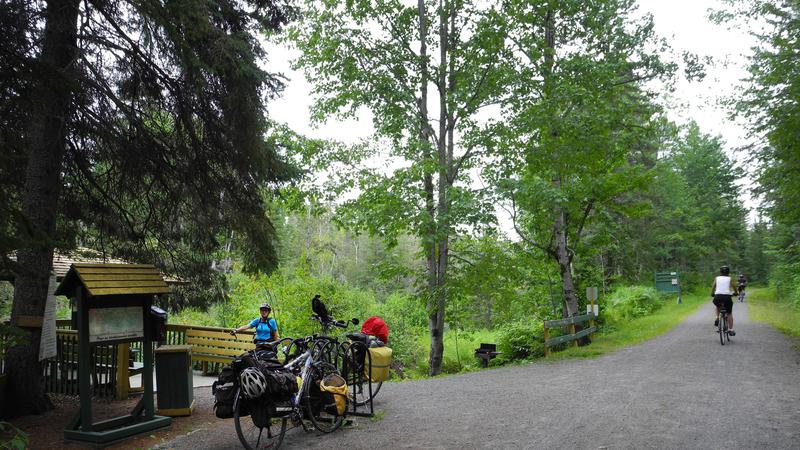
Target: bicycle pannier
(224, 391)
(381, 358)
(281, 383)
(334, 394)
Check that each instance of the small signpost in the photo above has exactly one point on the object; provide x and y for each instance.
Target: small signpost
(591, 297)
(113, 306)
(668, 282)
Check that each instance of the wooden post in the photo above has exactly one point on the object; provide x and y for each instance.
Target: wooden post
(572, 331)
(546, 338)
(84, 360)
(147, 352)
(123, 375)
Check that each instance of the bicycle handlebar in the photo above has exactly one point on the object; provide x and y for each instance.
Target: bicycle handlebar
(333, 322)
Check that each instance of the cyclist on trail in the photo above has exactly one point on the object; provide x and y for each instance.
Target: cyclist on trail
(722, 290)
(266, 327)
(742, 282)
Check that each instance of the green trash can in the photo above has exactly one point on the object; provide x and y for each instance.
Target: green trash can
(174, 380)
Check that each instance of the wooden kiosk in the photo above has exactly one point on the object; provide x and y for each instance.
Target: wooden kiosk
(113, 306)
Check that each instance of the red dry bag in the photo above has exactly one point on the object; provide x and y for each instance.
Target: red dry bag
(376, 327)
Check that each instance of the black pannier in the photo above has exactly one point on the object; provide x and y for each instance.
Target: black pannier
(281, 382)
(224, 391)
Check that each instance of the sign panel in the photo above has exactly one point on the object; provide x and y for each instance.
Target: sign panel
(115, 324)
(667, 281)
(47, 344)
(593, 309)
(591, 293)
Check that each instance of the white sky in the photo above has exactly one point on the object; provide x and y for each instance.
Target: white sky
(683, 22)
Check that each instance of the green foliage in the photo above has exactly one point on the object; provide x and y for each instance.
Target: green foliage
(18, 438)
(577, 71)
(630, 302)
(782, 313)
(9, 337)
(770, 101)
(694, 221)
(166, 161)
(407, 320)
(521, 340)
(6, 299)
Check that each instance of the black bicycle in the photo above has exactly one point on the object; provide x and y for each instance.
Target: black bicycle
(722, 326)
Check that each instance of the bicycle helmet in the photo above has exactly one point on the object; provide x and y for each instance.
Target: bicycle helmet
(266, 306)
(253, 382)
(725, 270)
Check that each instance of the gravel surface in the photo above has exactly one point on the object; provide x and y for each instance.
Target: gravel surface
(680, 390)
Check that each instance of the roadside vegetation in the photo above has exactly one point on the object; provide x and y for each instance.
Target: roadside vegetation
(783, 314)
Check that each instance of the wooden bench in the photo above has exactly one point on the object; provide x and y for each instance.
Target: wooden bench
(217, 346)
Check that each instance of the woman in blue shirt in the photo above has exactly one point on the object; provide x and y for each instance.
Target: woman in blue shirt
(266, 327)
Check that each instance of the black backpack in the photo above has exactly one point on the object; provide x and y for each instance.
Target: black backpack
(224, 391)
(281, 382)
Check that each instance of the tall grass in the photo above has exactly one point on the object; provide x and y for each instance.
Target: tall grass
(765, 308)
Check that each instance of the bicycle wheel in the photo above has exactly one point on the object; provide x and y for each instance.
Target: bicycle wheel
(360, 392)
(358, 384)
(317, 407)
(721, 328)
(727, 333)
(267, 434)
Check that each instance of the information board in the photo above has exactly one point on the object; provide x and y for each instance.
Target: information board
(667, 282)
(115, 324)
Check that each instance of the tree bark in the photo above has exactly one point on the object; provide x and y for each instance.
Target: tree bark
(46, 142)
(564, 260)
(429, 241)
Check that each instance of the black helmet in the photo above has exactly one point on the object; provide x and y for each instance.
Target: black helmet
(725, 270)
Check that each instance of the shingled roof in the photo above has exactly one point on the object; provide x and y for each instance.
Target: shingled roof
(82, 255)
(114, 279)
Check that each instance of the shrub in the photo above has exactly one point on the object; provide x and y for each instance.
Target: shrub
(629, 302)
(521, 340)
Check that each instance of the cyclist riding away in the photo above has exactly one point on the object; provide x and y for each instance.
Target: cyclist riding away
(722, 290)
(742, 282)
(266, 327)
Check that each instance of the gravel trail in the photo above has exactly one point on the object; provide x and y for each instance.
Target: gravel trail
(679, 390)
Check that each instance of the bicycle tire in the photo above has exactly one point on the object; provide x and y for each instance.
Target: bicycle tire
(727, 331)
(721, 328)
(322, 420)
(360, 394)
(252, 436)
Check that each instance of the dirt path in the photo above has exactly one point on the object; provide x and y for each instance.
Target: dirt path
(680, 390)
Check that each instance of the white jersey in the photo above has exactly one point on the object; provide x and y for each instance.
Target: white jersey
(723, 286)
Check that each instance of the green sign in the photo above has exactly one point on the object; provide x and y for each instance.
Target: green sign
(668, 282)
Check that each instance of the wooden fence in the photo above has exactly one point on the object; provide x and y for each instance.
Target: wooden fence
(572, 336)
(61, 372)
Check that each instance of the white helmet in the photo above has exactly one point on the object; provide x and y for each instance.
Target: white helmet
(253, 382)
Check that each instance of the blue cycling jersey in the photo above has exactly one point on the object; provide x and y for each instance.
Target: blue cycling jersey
(264, 330)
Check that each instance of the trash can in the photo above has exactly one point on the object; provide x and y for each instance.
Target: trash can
(174, 380)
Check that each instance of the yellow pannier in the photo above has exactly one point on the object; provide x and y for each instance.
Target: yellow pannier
(335, 386)
(381, 359)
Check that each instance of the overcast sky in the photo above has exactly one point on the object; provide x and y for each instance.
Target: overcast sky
(683, 22)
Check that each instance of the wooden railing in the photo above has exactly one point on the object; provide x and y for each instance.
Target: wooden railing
(61, 372)
(572, 336)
